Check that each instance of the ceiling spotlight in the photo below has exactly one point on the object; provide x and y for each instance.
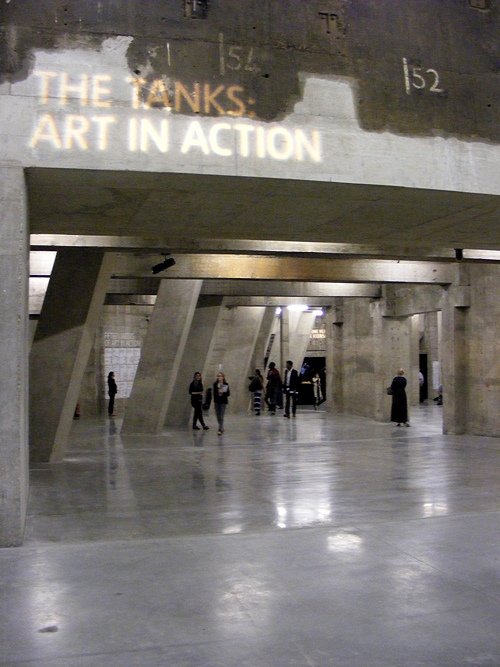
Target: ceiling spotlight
(162, 266)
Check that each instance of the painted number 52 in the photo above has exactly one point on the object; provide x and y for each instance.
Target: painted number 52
(419, 78)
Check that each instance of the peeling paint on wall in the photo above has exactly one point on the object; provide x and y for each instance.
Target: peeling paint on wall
(422, 68)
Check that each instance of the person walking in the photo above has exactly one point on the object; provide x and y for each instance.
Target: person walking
(273, 387)
(112, 391)
(291, 387)
(196, 393)
(256, 387)
(221, 392)
(399, 408)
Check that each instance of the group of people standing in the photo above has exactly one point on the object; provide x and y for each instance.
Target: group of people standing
(273, 392)
(274, 387)
(219, 394)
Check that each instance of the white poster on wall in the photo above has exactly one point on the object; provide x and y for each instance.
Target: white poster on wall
(123, 362)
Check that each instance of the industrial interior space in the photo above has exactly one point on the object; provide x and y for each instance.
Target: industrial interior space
(211, 186)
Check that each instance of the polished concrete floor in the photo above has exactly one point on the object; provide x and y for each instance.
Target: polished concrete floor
(314, 542)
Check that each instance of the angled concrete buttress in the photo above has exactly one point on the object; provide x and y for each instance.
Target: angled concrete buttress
(161, 356)
(231, 351)
(13, 355)
(63, 341)
(193, 359)
(262, 342)
(300, 336)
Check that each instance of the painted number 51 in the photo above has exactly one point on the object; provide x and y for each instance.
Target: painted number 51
(419, 78)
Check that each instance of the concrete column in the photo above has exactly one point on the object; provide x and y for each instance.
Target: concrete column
(259, 353)
(288, 320)
(194, 358)
(334, 321)
(392, 350)
(454, 368)
(432, 336)
(455, 357)
(482, 321)
(231, 351)
(13, 355)
(300, 335)
(413, 390)
(359, 345)
(275, 347)
(161, 356)
(63, 340)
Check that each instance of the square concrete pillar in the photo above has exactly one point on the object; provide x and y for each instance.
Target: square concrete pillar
(481, 364)
(335, 358)
(392, 350)
(288, 319)
(161, 356)
(13, 355)
(63, 341)
(454, 367)
(412, 372)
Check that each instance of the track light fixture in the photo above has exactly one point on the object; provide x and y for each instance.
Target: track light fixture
(162, 266)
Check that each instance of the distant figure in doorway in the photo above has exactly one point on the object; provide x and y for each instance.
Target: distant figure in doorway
(256, 386)
(317, 392)
(291, 387)
(399, 409)
(196, 393)
(112, 391)
(273, 387)
(421, 384)
(221, 392)
(439, 397)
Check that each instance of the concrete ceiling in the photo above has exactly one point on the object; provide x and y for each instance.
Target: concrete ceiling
(176, 207)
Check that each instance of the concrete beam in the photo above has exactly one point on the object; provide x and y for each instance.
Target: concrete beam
(280, 288)
(298, 268)
(251, 288)
(183, 245)
(401, 301)
(277, 301)
(41, 242)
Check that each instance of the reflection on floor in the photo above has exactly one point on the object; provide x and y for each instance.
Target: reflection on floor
(316, 541)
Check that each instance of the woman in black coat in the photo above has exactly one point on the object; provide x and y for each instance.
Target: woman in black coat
(196, 392)
(221, 393)
(399, 409)
(112, 391)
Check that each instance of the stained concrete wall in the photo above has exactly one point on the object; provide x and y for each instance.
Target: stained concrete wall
(408, 75)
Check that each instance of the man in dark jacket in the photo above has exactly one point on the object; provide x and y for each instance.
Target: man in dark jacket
(291, 387)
